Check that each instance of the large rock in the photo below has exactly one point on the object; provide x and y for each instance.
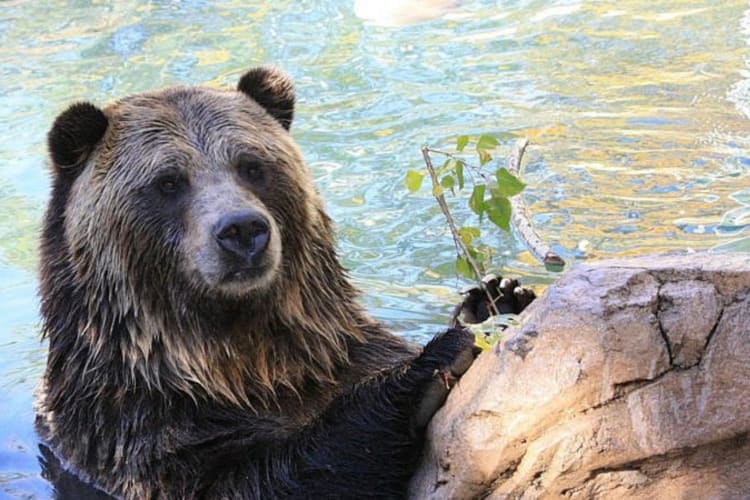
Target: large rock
(628, 379)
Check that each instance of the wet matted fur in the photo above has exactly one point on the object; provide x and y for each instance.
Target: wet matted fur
(180, 368)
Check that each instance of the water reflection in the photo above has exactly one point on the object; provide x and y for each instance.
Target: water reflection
(400, 12)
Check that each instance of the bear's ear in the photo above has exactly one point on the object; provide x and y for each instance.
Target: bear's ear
(75, 133)
(272, 89)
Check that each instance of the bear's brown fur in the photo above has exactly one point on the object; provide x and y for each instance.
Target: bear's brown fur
(204, 340)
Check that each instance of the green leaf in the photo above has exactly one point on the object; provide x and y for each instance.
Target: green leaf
(476, 201)
(461, 142)
(448, 165)
(480, 340)
(437, 190)
(460, 174)
(413, 180)
(447, 181)
(482, 255)
(507, 184)
(468, 233)
(486, 142)
(484, 157)
(463, 267)
(485, 253)
(498, 211)
(480, 259)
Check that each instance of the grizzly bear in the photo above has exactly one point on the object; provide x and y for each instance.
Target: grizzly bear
(204, 340)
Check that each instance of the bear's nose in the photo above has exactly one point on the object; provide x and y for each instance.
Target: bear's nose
(243, 234)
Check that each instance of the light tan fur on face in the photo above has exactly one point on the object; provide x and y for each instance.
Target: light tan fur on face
(164, 346)
(216, 194)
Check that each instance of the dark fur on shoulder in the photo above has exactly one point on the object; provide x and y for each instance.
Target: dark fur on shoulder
(204, 341)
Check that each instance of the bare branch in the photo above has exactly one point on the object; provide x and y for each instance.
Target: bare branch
(541, 251)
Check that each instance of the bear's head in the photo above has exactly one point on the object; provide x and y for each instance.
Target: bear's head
(203, 177)
(183, 224)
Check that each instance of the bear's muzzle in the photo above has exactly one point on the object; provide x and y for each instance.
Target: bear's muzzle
(244, 236)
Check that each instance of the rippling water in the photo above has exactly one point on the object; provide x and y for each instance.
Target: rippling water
(637, 112)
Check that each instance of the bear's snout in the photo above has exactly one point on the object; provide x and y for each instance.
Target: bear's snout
(243, 234)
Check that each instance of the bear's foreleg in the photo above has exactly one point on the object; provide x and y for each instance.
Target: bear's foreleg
(367, 443)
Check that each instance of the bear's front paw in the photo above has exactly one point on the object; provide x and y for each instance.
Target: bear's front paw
(508, 296)
(446, 357)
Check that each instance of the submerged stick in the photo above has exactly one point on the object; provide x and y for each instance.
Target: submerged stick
(519, 219)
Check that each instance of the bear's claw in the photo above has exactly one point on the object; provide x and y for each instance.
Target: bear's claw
(508, 296)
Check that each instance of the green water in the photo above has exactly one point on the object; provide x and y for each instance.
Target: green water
(637, 113)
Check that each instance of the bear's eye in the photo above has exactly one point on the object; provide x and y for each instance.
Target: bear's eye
(251, 169)
(170, 183)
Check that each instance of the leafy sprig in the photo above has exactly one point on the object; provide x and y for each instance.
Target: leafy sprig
(490, 193)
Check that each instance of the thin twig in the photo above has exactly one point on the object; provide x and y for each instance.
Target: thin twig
(454, 231)
(478, 170)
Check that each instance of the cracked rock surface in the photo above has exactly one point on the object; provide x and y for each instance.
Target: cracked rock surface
(628, 379)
